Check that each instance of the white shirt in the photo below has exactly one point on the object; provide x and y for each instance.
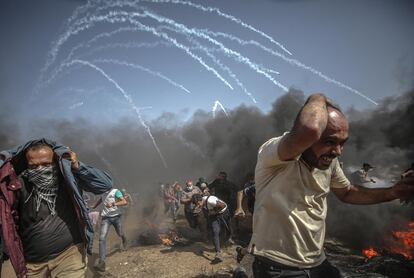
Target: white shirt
(211, 203)
(110, 198)
(290, 207)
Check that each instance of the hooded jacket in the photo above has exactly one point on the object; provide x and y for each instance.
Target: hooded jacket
(85, 178)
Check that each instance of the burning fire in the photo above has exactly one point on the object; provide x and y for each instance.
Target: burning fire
(165, 240)
(400, 242)
(370, 253)
(404, 242)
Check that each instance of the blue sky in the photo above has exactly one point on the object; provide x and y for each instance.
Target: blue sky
(367, 45)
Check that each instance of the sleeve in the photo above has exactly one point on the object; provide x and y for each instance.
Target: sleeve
(338, 179)
(268, 155)
(92, 179)
(118, 194)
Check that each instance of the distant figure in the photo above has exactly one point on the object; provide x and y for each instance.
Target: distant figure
(111, 213)
(191, 211)
(218, 220)
(361, 177)
(201, 183)
(225, 190)
(126, 209)
(172, 196)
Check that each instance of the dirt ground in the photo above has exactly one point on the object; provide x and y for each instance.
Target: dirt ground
(193, 258)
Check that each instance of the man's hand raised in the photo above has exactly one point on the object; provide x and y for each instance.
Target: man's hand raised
(73, 159)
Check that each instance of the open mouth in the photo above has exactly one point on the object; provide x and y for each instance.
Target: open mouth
(327, 159)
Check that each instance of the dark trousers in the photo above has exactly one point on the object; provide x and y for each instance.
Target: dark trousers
(264, 268)
(220, 225)
(192, 219)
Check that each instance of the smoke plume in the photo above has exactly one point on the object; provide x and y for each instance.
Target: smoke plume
(206, 145)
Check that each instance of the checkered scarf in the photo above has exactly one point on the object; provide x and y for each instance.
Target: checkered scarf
(46, 184)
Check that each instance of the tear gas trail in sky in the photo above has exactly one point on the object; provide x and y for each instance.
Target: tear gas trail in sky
(69, 57)
(222, 66)
(127, 98)
(121, 4)
(76, 105)
(126, 45)
(83, 24)
(161, 43)
(138, 67)
(290, 61)
(229, 52)
(114, 17)
(144, 108)
(258, 68)
(216, 105)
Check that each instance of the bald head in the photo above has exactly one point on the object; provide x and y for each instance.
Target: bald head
(336, 121)
(330, 145)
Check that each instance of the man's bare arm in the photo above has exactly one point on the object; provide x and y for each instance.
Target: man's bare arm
(403, 190)
(119, 202)
(239, 210)
(308, 128)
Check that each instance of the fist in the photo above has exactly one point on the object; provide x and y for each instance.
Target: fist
(240, 213)
(73, 159)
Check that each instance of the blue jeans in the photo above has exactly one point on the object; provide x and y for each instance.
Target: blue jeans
(105, 224)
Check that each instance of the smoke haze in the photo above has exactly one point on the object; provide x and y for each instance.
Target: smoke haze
(203, 146)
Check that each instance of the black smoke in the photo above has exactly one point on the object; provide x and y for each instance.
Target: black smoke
(203, 146)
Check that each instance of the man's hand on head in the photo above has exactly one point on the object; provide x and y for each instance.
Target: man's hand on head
(73, 159)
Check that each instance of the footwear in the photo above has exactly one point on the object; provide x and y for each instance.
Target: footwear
(124, 246)
(218, 257)
(100, 267)
(231, 241)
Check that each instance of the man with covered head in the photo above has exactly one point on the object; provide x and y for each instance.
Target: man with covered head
(294, 174)
(45, 225)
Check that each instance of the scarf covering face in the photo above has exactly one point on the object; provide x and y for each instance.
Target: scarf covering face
(46, 184)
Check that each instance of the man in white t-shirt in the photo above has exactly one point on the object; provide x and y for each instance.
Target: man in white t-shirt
(110, 215)
(218, 219)
(294, 174)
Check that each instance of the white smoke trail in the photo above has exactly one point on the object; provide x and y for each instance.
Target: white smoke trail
(122, 17)
(291, 61)
(135, 66)
(216, 105)
(69, 57)
(76, 105)
(222, 66)
(229, 52)
(144, 108)
(127, 98)
(133, 4)
(162, 43)
(126, 45)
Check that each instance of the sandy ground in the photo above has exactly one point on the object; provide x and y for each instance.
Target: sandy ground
(191, 259)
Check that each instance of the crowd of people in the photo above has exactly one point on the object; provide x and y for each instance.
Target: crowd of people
(47, 224)
(208, 207)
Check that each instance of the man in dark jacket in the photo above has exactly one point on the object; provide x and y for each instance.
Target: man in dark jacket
(224, 190)
(46, 230)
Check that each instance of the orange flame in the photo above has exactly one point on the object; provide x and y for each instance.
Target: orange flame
(165, 240)
(403, 242)
(370, 253)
